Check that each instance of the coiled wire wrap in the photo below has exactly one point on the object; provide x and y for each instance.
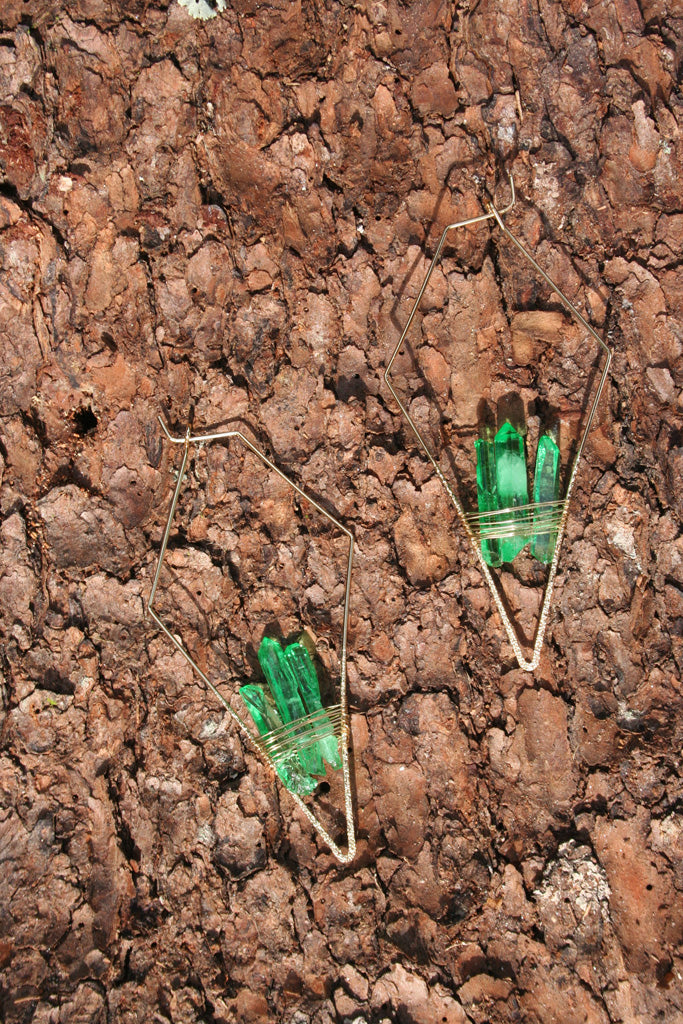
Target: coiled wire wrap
(301, 734)
(523, 521)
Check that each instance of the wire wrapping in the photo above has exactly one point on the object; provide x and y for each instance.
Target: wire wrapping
(537, 518)
(302, 733)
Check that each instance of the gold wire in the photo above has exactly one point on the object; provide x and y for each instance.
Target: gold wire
(540, 517)
(345, 857)
(302, 733)
(528, 664)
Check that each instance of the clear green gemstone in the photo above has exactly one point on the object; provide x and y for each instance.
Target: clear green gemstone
(287, 763)
(512, 488)
(285, 690)
(546, 489)
(487, 498)
(298, 751)
(261, 708)
(299, 662)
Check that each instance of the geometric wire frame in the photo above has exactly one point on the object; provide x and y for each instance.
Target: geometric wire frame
(558, 515)
(340, 717)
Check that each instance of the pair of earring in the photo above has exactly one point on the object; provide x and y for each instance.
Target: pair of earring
(295, 733)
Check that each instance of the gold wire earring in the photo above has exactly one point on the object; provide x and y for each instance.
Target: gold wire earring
(506, 519)
(295, 734)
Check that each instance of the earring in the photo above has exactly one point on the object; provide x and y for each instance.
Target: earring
(295, 733)
(506, 520)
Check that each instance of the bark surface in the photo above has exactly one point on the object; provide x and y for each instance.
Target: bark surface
(234, 216)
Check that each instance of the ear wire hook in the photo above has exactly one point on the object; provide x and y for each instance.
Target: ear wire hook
(489, 215)
(571, 309)
(186, 440)
(470, 520)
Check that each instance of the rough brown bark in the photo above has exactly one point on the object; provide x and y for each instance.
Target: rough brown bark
(231, 216)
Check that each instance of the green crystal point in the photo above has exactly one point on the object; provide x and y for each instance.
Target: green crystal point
(284, 687)
(265, 716)
(512, 487)
(261, 708)
(298, 751)
(272, 660)
(546, 489)
(487, 498)
(299, 662)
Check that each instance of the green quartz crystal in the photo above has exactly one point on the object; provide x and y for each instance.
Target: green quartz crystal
(299, 749)
(487, 498)
(512, 488)
(284, 688)
(299, 663)
(261, 708)
(287, 763)
(546, 489)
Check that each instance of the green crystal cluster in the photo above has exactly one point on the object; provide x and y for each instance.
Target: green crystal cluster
(293, 695)
(502, 487)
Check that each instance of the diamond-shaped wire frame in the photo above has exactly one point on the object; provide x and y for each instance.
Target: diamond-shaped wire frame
(261, 744)
(469, 520)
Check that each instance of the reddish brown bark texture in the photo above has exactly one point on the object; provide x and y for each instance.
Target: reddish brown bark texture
(230, 215)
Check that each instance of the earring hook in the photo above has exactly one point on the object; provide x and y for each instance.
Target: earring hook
(493, 213)
(491, 206)
(345, 857)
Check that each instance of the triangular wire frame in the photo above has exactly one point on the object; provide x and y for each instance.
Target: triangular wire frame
(528, 664)
(345, 857)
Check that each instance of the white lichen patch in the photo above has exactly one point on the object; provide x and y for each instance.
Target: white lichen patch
(666, 836)
(622, 535)
(572, 899)
(206, 835)
(209, 728)
(203, 9)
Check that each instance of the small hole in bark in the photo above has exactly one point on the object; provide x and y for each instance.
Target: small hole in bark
(325, 788)
(85, 421)
(649, 888)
